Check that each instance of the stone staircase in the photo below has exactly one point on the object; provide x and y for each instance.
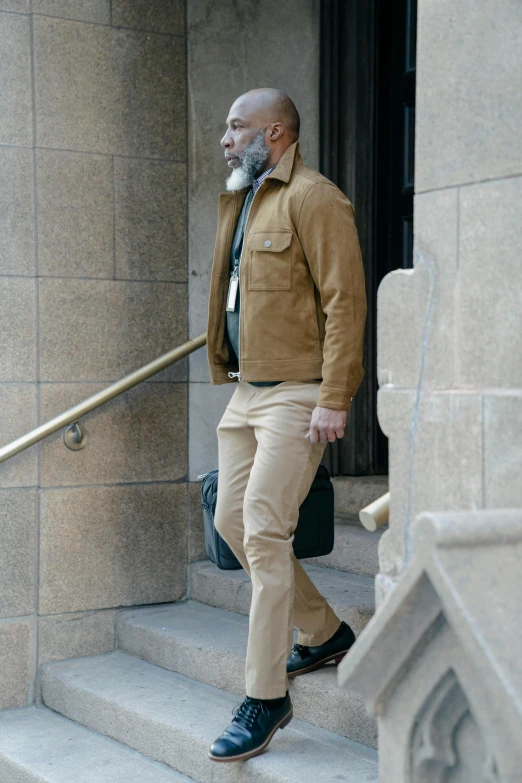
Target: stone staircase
(149, 710)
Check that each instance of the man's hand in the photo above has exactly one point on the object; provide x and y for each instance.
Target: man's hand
(326, 425)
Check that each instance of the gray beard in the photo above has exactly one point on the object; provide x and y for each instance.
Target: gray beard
(251, 162)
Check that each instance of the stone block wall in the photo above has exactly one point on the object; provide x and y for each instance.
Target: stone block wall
(449, 331)
(99, 188)
(93, 284)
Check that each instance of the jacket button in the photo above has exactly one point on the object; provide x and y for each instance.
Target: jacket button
(268, 243)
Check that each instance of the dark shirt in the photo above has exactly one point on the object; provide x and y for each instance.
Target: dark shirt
(232, 322)
(232, 317)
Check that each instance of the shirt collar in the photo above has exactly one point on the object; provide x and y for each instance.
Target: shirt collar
(256, 183)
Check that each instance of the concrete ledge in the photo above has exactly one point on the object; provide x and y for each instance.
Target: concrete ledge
(352, 597)
(209, 645)
(38, 745)
(354, 492)
(355, 551)
(173, 719)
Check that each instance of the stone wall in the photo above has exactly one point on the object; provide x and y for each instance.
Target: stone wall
(99, 186)
(449, 331)
(93, 284)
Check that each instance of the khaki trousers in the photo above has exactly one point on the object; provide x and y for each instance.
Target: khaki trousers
(266, 468)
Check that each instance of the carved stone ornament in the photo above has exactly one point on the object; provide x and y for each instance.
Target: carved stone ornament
(435, 747)
(439, 664)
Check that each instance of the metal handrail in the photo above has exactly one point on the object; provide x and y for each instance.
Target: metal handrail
(101, 397)
(376, 514)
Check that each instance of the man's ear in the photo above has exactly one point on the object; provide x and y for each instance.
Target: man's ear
(276, 131)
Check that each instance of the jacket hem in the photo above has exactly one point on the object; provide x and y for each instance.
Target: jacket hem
(277, 370)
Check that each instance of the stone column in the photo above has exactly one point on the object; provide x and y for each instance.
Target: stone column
(449, 331)
(439, 662)
(233, 47)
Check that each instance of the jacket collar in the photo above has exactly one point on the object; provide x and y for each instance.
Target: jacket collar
(283, 169)
(285, 165)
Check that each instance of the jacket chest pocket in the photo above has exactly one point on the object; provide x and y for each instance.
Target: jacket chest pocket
(270, 267)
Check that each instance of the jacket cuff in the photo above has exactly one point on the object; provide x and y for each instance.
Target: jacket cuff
(335, 399)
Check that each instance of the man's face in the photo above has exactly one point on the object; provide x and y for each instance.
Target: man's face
(246, 151)
(242, 128)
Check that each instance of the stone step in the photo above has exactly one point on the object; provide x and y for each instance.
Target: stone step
(39, 745)
(347, 519)
(173, 719)
(209, 645)
(355, 550)
(351, 596)
(352, 493)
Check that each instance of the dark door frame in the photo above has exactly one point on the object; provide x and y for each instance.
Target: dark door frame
(347, 157)
(367, 122)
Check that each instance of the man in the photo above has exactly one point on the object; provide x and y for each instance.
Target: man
(286, 318)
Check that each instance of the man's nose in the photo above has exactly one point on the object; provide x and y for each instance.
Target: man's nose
(226, 141)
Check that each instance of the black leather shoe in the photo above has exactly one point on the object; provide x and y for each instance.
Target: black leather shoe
(304, 659)
(251, 730)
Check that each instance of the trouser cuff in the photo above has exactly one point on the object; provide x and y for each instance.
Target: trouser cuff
(315, 639)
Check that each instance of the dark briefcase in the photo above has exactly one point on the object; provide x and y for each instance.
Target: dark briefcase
(314, 534)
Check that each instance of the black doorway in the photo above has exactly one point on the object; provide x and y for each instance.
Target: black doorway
(367, 133)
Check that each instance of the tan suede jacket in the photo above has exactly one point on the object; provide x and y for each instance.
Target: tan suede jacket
(303, 298)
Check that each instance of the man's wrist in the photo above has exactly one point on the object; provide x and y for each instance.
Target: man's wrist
(334, 400)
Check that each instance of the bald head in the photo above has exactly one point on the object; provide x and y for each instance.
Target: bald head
(261, 125)
(270, 106)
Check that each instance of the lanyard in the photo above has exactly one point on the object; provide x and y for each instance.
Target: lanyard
(234, 278)
(237, 251)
